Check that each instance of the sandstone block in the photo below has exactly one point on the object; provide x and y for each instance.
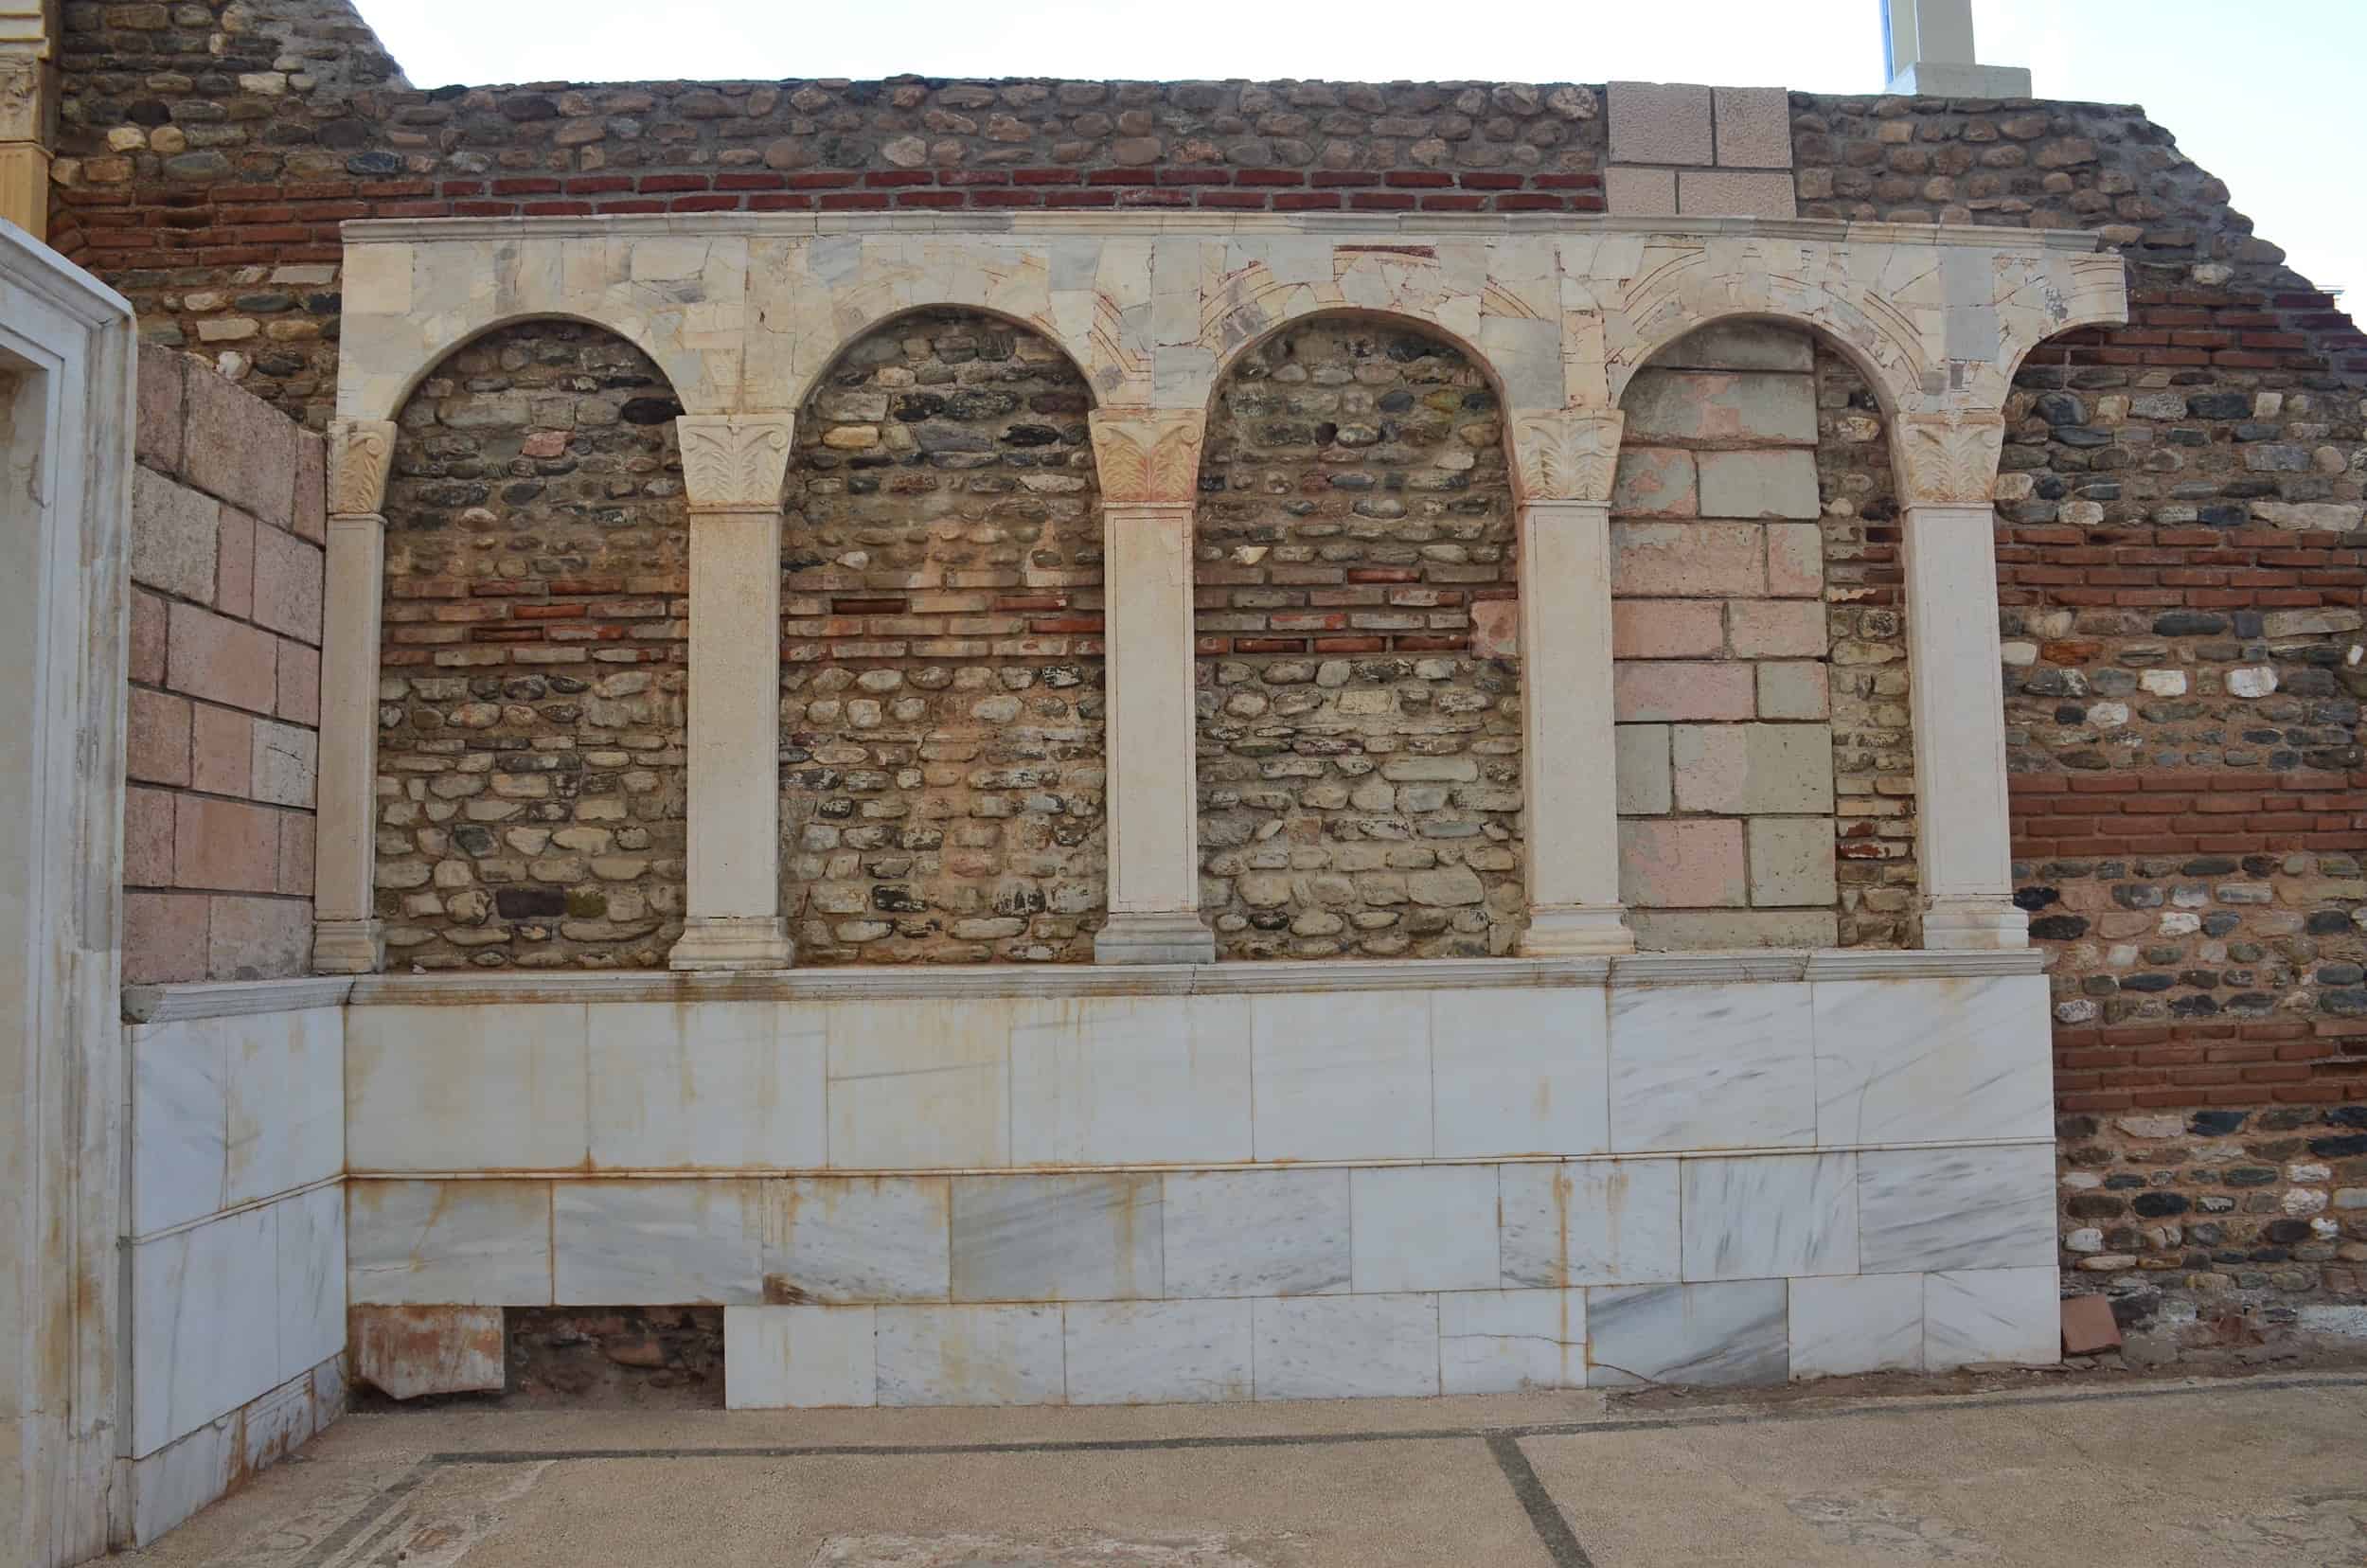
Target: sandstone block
(146, 838)
(288, 577)
(1723, 193)
(158, 441)
(1667, 628)
(222, 751)
(1775, 629)
(148, 638)
(1666, 692)
(258, 939)
(1719, 405)
(225, 845)
(234, 575)
(1753, 127)
(1677, 931)
(1791, 861)
(1793, 691)
(1795, 559)
(1644, 774)
(239, 449)
(158, 739)
(163, 937)
(286, 759)
(1754, 769)
(1640, 192)
(219, 659)
(1670, 863)
(175, 537)
(1687, 559)
(1656, 122)
(1758, 484)
(1654, 482)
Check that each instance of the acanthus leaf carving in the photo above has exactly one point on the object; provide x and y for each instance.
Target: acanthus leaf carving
(360, 453)
(1148, 455)
(733, 461)
(1949, 459)
(1568, 454)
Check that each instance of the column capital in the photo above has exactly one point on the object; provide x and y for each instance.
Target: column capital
(735, 462)
(361, 453)
(1566, 455)
(1148, 455)
(1947, 459)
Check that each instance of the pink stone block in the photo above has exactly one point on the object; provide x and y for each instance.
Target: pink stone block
(1687, 561)
(1681, 863)
(146, 838)
(259, 938)
(312, 487)
(222, 661)
(1495, 629)
(1776, 628)
(222, 751)
(148, 638)
(225, 844)
(240, 447)
(1795, 559)
(163, 937)
(1754, 128)
(299, 699)
(1667, 628)
(158, 441)
(1659, 693)
(288, 573)
(156, 733)
(1660, 122)
(1655, 482)
(295, 855)
(233, 565)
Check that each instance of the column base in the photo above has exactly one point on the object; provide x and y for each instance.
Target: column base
(1577, 931)
(1958, 925)
(733, 942)
(347, 947)
(1167, 938)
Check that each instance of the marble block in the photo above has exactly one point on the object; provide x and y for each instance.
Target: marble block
(1920, 1210)
(1107, 1080)
(720, 1085)
(1720, 1334)
(1057, 1238)
(1346, 1347)
(1501, 1341)
(1158, 1352)
(1256, 1233)
(1991, 1315)
(1342, 1076)
(1929, 1061)
(969, 1355)
(309, 1249)
(1423, 1228)
(858, 1238)
(447, 1243)
(205, 1324)
(1598, 1223)
(180, 1122)
(915, 1085)
(1718, 1066)
(1766, 1216)
(1519, 1072)
(1857, 1323)
(798, 1358)
(466, 1088)
(285, 1111)
(174, 1482)
(655, 1241)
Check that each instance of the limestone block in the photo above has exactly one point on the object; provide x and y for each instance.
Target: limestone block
(1687, 559)
(1758, 484)
(1641, 192)
(1643, 770)
(1793, 691)
(1791, 861)
(1753, 127)
(1662, 692)
(408, 1351)
(175, 534)
(1680, 863)
(1762, 629)
(1719, 405)
(1667, 628)
(1720, 193)
(1657, 122)
(1754, 769)
(1739, 346)
(1681, 931)
(1654, 482)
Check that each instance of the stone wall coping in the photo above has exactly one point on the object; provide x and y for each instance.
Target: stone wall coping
(1139, 222)
(1054, 983)
(233, 998)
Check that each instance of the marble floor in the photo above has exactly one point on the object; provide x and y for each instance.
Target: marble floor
(2170, 1474)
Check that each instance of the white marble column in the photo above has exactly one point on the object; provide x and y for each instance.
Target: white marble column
(1148, 461)
(1569, 780)
(1947, 474)
(346, 935)
(733, 465)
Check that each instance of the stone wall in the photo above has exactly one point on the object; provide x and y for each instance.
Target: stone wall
(1359, 702)
(1721, 679)
(534, 668)
(227, 523)
(942, 766)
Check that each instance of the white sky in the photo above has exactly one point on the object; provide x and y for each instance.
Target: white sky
(2262, 96)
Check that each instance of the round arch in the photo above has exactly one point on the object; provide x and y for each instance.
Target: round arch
(672, 365)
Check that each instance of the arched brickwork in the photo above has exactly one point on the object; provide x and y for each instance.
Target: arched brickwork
(534, 666)
(942, 765)
(1359, 702)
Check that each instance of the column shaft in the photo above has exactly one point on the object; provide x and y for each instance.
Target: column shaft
(345, 934)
